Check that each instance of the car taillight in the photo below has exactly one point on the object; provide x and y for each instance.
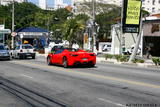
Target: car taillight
(74, 55)
(21, 50)
(92, 54)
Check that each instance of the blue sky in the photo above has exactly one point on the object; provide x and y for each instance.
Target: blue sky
(50, 2)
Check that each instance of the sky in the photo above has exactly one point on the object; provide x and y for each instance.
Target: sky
(50, 3)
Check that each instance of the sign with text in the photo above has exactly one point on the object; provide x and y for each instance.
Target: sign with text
(1, 27)
(131, 16)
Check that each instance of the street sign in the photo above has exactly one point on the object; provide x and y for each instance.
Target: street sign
(21, 36)
(1, 27)
(5, 31)
(131, 16)
(13, 34)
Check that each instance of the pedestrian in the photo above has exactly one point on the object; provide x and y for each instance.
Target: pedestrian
(148, 51)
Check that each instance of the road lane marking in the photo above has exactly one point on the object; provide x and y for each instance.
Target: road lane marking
(93, 75)
(26, 76)
(111, 102)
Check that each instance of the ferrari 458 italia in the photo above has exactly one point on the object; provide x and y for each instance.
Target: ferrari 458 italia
(70, 57)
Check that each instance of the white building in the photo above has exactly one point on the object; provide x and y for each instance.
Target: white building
(152, 6)
(116, 2)
(5, 2)
(43, 4)
(59, 4)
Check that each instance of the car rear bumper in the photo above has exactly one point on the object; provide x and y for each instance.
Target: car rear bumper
(4, 57)
(27, 54)
(91, 61)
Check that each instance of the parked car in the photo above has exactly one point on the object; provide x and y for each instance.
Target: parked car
(106, 47)
(70, 57)
(23, 51)
(4, 52)
(130, 50)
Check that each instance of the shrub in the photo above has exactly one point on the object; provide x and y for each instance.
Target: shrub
(118, 57)
(108, 56)
(124, 58)
(156, 60)
(138, 61)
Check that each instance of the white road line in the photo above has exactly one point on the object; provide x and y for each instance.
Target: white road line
(111, 102)
(26, 76)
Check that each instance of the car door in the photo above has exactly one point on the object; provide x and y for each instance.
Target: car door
(57, 56)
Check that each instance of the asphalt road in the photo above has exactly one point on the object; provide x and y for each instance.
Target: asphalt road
(105, 85)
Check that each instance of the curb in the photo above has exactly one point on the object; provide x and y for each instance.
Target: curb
(132, 64)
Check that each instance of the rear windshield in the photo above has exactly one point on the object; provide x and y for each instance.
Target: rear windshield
(2, 47)
(27, 47)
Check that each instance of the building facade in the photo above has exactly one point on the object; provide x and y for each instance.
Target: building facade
(5, 2)
(152, 6)
(116, 2)
(43, 4)
(59, 4)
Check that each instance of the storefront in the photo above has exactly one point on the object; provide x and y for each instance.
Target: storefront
(3, 33)
(35, 36)
(151, 36)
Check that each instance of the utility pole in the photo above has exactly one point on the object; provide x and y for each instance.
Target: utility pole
(133, 55)
(12, 24)
(93, 26)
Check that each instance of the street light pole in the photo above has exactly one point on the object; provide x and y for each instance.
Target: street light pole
(93, 27)
(12, 24)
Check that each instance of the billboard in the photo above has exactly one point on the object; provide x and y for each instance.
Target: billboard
(131, 16)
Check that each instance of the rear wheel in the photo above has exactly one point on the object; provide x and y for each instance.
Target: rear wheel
(20, 56)
(92, 65)
(33, 57)
(49, 61)
(65, 62)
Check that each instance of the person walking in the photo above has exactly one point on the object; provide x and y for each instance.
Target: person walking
(148, 52)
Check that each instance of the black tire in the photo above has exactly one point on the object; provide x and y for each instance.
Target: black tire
(92, 65)
(20, 56)
(49, 61)
(33, 57)
(10, 58)
(65, 62)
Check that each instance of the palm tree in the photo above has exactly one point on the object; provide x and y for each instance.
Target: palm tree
(71, 29)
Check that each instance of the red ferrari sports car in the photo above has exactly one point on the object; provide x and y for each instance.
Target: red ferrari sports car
(70, 57)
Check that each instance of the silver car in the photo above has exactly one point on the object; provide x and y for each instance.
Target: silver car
(23, 51)
(4, 52)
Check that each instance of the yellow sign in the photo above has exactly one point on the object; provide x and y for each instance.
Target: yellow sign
(85, 38)
(133, 12)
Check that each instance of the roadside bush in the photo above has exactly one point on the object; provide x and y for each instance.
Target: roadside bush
(108, 56)
(118, 57)
(138, 61)
(124, 58)
(156, 60)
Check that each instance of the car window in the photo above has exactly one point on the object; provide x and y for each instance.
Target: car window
(2, 47)
(17, 48)
(59, 51)
(55, 48)
(27, 47)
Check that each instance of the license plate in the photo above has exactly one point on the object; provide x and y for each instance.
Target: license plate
(84, 59)
(28, 54)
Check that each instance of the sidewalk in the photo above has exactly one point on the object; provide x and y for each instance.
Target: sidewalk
(147, 64)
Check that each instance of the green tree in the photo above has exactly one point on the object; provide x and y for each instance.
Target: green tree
(71, 29)
(105, 20)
